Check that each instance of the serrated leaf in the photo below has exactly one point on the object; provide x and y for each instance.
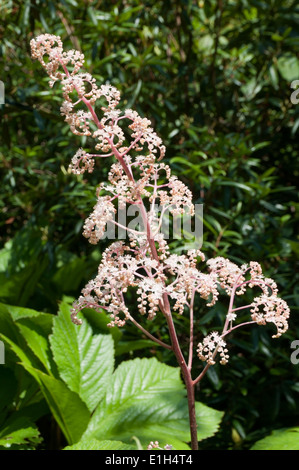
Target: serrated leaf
(147, 399)
(99, 321)
(208, 420)
(85, 361)
(94, 444)
(281, 439)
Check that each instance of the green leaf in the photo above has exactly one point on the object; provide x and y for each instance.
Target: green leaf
(85, 361)
(94, 444)
(36, 337)
(123, 347)
(17, 312)
(273, 76)
(99, 321)
(8, 386)
(205, 43)
(135, 94)
(260, 145)
(288, 66)
(146, 399)
(281, 439)
(66, 406)
(19, 287)
(251, 88)
(70, 274)
(19, 431)
(21, 353)
(236, 184)
(208, 420)
(27, 339)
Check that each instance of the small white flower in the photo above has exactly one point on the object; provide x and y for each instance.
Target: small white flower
(211, 345)
(231, 316)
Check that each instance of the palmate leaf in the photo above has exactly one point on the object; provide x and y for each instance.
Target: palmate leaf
(142, 398)
(147, 399)
(85, 361)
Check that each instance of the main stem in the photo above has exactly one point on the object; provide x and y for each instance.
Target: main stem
(186, 373)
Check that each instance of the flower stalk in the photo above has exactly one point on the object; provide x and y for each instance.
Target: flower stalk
(164, 283)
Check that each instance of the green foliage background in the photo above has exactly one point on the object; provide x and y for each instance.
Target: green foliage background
(215, 79)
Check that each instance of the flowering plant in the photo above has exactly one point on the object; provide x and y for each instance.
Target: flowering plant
(165, 283)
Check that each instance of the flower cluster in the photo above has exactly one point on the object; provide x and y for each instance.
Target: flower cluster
(160, 280)
(271, 309)
(137, 172)
(52, 47)
(81, 162)
(211, 345)
(123, 267)
(266, 308)
(228, 274)
(156, 445)
(81, 88)
(95, 224)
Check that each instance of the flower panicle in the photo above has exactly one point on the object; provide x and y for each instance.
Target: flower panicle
(80, 88)
(146, 264)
